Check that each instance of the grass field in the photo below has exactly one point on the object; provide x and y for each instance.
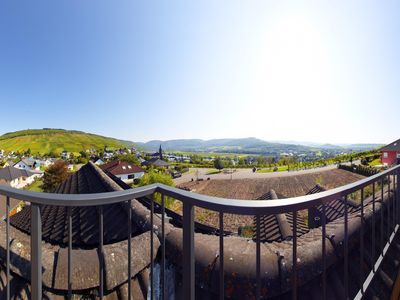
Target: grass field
(215, 171)
(375, 162)
(268, 170)
(35, 186)
(45, 141)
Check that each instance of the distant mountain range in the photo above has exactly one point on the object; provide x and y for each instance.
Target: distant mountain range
(56, 140)
(249, 146)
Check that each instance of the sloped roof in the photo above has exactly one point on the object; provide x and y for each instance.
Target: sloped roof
(335, 208)
(29, 162)
(118, 167)
(85, 232)
(156, 162)
(11, 173)
(85, 220)
(276, 228)
(394, 146)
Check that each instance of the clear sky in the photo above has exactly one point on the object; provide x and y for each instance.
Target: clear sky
(321, 71)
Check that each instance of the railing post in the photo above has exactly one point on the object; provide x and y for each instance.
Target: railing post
(188, 251)
(36, 253)
(397, 195)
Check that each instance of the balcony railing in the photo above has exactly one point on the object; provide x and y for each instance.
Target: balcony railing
(385, 183)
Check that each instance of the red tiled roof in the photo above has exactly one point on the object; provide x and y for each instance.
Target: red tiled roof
(118, 167)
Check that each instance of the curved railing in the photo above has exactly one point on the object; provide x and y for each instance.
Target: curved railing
(386, 180)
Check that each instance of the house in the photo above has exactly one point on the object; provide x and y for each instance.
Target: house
(156, 162)
(99, 162)
(47, 162)
(9, 163)
(108, 155)
(17, 178)
(29, 164)
(125, 171)
(390, 154)
(65, 155)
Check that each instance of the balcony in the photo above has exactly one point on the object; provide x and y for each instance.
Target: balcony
(352, 255)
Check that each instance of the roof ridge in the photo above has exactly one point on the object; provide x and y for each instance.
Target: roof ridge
(112, 186)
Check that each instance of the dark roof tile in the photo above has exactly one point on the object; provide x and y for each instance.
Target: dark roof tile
(85, 228)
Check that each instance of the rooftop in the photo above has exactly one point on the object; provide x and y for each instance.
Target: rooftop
(11, 173)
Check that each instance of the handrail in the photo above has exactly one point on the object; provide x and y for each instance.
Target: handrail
(226, 205)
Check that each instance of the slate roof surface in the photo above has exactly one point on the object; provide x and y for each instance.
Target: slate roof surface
(85, 220)
(276, 228)
(394, 146)
(118, 167)
(11, 173)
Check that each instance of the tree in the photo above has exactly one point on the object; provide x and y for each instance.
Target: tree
(156, 176)
(130, 158)
(54, 176)
(261, 161)
(218, 164)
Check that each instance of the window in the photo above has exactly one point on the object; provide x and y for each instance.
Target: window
(129, 167)
(385, 155)
(123, 167)
(131, 176)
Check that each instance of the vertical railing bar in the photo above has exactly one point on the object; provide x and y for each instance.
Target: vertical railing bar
(294, 258)
(397, 196)
(188, 251)
(36, 252)
(69, 213)
(373, 223)
(382, 204)
(323, 251)
(388, 209)
(8, 246)
(221, 257)
(129, 204)
(346, 251)
(152, 250)
(362, 243)
(394, 201)
(258, 258)
(163, 281)
(101, 253)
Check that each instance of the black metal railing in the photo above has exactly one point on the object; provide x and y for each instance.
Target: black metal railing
(385, 190)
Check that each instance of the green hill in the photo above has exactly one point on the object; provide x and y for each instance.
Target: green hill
(56, 140)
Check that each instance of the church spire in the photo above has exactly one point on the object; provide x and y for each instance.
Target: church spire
(160, 152)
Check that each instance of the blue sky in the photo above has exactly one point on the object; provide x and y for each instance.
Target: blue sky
(322, 71)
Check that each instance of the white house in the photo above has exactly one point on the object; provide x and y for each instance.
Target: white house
(47, 162)
(125, 171)
(65, 155)
(17, 178)
(29, 164)
(99, 162)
